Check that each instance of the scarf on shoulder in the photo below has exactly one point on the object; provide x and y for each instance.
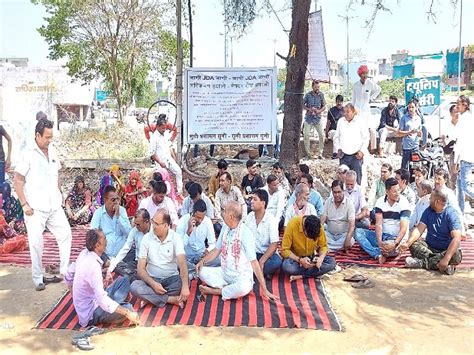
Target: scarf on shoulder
(235, 248)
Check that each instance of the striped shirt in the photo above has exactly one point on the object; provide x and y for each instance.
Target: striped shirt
(392, 214)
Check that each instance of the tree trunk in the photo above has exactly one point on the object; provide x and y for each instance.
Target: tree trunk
(294, 86)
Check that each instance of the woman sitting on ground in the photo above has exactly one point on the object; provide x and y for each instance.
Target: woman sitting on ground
(78, 203)
(13, 212)
(134, 192)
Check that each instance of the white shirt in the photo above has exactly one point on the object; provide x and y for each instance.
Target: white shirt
(188, 206)
(195, 242)
(134, 237)
(420, 207)
(362, 94)
(167, 204)
(41, 178)
(464, 148)
(265, 233)
(351, 136)
(161, 256)
(276, 202)
(222, 198)
(160, 146)
(291, 212)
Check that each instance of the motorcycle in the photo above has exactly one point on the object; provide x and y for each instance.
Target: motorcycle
(433, 157)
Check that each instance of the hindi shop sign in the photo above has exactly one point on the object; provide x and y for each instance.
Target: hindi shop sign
(427, 90)
(230, 106)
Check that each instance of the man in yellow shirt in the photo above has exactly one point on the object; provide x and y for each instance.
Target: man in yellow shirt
(304, 248)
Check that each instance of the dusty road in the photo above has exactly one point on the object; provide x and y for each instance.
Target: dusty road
(409, 311)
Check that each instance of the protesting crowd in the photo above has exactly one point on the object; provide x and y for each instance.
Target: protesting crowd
(151, 238)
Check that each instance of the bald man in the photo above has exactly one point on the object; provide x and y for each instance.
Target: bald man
(236, 246)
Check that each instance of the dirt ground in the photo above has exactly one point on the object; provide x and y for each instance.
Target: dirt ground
(408, 311)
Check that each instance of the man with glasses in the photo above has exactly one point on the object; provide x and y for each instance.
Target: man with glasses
(113, 220)
(37, 186)
(162, 268)
(314, 196)
(125, 263)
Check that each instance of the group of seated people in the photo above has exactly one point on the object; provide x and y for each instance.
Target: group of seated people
(226, 236)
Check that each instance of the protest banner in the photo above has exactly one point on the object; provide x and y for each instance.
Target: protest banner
(230, 106)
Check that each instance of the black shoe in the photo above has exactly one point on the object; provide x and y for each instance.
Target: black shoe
(40, 287)
(51, 279)
(334, 156)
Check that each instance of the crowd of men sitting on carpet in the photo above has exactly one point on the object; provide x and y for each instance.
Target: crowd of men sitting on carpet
(226, 235)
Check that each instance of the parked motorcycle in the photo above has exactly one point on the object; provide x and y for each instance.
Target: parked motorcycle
(432, 157)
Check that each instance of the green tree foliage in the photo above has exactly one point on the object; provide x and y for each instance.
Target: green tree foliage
(392, 87)
(117, 41)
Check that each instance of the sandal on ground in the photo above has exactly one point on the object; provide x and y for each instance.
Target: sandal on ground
(355, 278)
(51, 279)
(83, 344)
(40, 287)
(363, 284)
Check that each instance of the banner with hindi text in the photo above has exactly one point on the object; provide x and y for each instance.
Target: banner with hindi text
(230, 106)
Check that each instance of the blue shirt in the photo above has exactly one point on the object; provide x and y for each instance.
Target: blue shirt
(115, 229)
(314, 198)
(313, 100)
(407, 123)
(440, 226)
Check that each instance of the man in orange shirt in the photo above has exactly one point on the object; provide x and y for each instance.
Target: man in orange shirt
(304, 248)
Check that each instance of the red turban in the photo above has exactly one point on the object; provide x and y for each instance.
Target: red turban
(362, 69)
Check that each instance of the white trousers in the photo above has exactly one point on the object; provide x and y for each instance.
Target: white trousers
(57, 223)
(331, 135)
(233, 288)
(177, 172)
(336, 241)
(384, 133)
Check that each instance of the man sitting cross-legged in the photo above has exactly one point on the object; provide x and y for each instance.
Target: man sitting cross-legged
(92, 303)
(392, 213)
(195, 229)
(236, 246)
(304, 248)
(132, 246)
(264, 227)
(162, 265)
(339, 217)
(158, 200)
(301, 205)
(440, 251)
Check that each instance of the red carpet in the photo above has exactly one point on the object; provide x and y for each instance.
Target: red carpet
(356, 256)
(51, 251)
(302, 304)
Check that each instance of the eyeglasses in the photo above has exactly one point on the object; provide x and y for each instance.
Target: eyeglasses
(114, 199)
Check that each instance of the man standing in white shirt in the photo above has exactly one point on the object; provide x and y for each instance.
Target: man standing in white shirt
(264, 227)
(363, 91)
(36, 183)
(276, 197)
(351, 140)
(162, 154)
(158, 200)
(463, 151)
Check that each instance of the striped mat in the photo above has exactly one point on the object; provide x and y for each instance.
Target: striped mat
(51, 251)
(356, 256)
(302, 304)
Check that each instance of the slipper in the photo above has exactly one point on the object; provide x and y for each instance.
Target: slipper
(363, 284)
(84, 344)
(40, 287)
(355, 278)
(51, 279)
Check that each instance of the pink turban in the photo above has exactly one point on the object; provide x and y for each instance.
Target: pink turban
(362, 69)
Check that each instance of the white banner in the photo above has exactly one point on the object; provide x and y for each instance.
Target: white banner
(318, 67)
(230, 105)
